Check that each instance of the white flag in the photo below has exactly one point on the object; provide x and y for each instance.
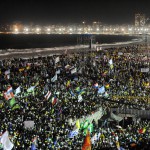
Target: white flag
(110, 61)
(73, 70)
(31, 89)
(7, 144)
(54, 78)
(18, 90)
(58, 71)
(94, 138)
(80, 98)
(56, 60)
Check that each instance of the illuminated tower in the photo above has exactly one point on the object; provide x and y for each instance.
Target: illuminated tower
(140, 20)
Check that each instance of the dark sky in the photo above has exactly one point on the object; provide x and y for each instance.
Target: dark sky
(72, 11)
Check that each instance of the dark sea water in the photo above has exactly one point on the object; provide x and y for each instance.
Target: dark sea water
(21, 41)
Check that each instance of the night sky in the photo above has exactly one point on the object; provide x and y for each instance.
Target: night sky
(45, 12)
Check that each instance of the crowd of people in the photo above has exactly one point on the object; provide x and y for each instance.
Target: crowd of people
(58, 87)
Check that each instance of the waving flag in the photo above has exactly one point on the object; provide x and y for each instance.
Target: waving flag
(101, 90)
(31, 89)
(110, 61)
(7, 144)
(9, 93)
(12, 102)
(34, 143)
(58, 72)
(68, 83)
(80, 98)
(54, 100)
(48, 95)
(78, 124)
(73, 133)
(56, 60)
(54, 78)
(141, 131)
(18, 90)
(87, 142)
(94, 138)
(73, 70)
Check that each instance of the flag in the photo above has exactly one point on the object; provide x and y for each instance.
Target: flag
(54, 100)
(90, 128)
(31, 89)
(87, 143)
(68, 83)
(34, 143)
(107, 86)
(54, 78)
(78, 90)
(111, 66)
(106, 95)
(73, 70)
(110, 61)
(78, 124)
(71, 93)
(18, 90)
(7, 144)
(96, 85)
(101, 90)
(16, 107)
(9, 93)
(21, 69)
(12, 101)
(141, 131)
(56, 60)
(9, 90)
(48, 95)
(80, 98)
(81, 92)
(33, 147)
(86, 123)
(94, 138)
(67, 67)
(118, 145)
(73, 133)
(8, 96)
(58, 72)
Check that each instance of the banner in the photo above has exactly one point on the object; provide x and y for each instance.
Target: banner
(29, 124)
(144, 69)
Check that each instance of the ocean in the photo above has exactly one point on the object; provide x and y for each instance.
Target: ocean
(22, 41)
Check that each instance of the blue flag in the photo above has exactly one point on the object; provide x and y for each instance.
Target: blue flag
(33, 147)
(101, 90)
(73, 133)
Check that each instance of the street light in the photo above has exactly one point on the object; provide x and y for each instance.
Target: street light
(38, 29)
(48, 29)
(16, 30)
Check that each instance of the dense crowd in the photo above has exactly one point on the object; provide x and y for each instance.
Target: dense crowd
(73, 81)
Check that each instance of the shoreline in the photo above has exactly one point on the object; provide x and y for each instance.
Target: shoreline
(33, 52)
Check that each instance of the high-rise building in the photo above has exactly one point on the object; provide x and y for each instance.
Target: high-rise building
(140, 20)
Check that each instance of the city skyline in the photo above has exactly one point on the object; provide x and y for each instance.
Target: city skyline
(47, 12)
